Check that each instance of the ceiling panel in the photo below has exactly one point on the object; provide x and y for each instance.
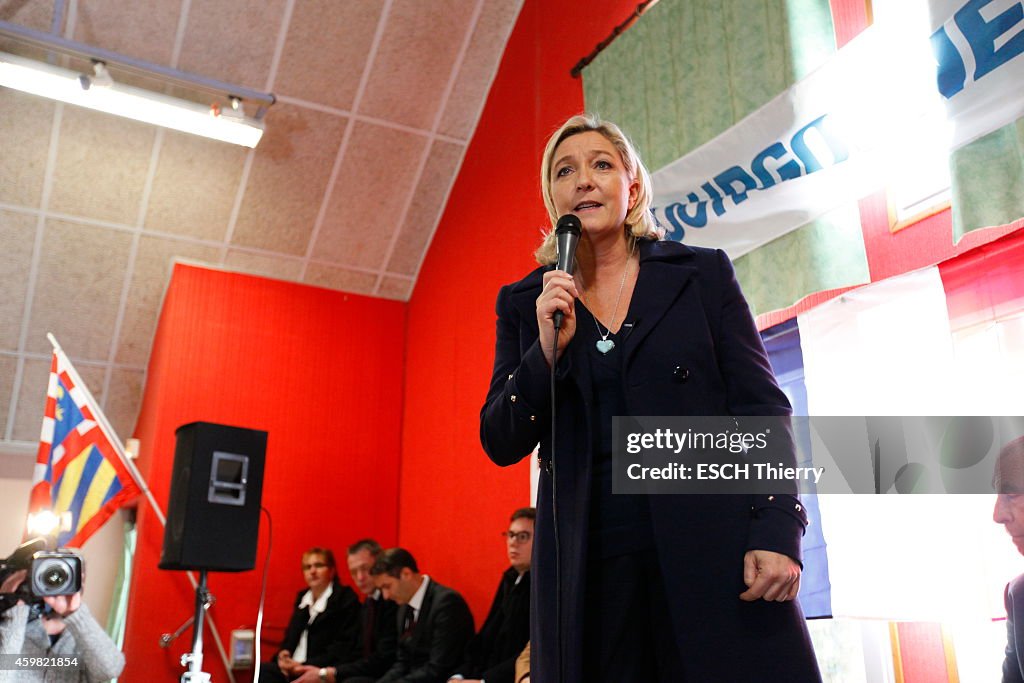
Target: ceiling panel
(415, 60)
(101, 166)
(144, 30)
(379, 169)
(425, 210)
(333, 277)
(194, 186)
(232, 40)
(37, 14)
(290, 171)
(17, 234)
(326, 50)
(78, 288)
(26, 123)
(478, 68)
(151, 271)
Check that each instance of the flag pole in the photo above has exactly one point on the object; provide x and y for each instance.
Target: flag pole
(104, 425)
(101, 421)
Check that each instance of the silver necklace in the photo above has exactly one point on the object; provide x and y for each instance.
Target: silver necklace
(604, 344)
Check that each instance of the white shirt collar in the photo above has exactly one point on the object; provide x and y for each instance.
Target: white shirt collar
(417, 598)
(316, 606)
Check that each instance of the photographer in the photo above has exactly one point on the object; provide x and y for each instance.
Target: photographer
(65, 629)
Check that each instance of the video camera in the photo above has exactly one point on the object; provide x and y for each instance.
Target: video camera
(49, 573)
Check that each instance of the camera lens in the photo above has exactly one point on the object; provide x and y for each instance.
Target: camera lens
(55, 577)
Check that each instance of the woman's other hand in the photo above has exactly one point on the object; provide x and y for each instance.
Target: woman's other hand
(558, 294)
(64, 604)
(769, 575)
(286, 664)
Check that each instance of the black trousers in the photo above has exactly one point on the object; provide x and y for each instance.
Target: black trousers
(269, 673)
(629, 634)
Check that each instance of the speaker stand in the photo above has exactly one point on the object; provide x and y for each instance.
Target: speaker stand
(194, 660)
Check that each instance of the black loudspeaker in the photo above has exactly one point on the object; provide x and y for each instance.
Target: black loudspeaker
(213, 515)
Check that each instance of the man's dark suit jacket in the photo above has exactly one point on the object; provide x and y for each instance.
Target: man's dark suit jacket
(434, 647)
(491, 654)
(1013, 667)
(379, 640)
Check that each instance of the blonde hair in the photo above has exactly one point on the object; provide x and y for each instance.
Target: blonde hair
(639, 221)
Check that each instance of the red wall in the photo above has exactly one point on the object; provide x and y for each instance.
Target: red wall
(321, 371)
(453, 500)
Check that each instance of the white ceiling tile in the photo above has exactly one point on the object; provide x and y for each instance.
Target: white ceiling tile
(415, 60)
(8, 366)
(194, 186)
(78, 289)
(102, 163)
(279, 267)
(478, 68)
(326, 50)
(232, 41)
(395, 288)
(427, 203)
(150, 276)
(144, 30)
(25, 125)
(37, 14)
(376, 178)
(289, 176)
(17, 235)
(123, 399)
(340, 278)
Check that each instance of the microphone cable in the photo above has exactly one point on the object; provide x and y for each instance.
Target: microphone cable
(554, 516)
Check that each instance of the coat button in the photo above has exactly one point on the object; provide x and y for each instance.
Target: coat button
(681, 374)
(512, 398)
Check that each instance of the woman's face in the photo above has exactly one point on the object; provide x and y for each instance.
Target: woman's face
(589, 179)
(316, 572)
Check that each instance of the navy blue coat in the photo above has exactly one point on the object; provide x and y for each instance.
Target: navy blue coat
(694, 350)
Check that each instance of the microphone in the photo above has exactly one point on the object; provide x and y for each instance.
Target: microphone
(567, 236)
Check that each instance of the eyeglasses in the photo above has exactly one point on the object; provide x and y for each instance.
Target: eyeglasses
(517, 536)
(313, 565)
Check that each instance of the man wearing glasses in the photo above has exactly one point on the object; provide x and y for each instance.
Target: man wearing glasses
(491, 654)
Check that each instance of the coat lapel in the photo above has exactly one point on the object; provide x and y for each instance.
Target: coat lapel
(666, 269)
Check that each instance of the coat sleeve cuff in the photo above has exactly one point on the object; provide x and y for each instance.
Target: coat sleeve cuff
(778, 524)
(528, 388)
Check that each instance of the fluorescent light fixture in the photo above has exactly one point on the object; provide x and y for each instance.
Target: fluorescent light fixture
(130, 102)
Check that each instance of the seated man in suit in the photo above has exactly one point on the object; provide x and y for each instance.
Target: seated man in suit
(491, 655)
(379, 637)
(324, 627)
(1009, 511)
(434, 623)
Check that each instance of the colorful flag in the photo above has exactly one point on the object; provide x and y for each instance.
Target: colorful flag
(81, 466)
